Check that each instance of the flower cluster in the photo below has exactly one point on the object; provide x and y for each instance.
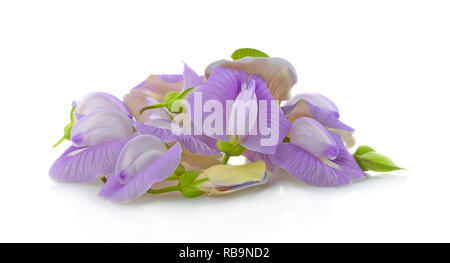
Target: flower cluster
(178, 132)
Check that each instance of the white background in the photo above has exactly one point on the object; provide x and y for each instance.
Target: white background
(386, 64)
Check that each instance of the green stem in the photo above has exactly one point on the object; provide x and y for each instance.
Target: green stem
(163, 190)
(154, 106)
(59, 142)
(226, 158)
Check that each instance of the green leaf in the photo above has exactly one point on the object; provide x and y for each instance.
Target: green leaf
(247, 52)
(360, 151)
(188, 178)
(377, 162)
(190, 191)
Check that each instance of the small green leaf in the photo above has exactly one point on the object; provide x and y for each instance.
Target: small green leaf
(188, 178)
(190, 191)
(377, 162)
(247, 52)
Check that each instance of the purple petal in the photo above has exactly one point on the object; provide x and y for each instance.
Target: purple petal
(191, 79)
(171, 77)
(95, 101)
(317, 100)
(278, 125)
(198, 144)
(309, 169)
(225, 85)
(101, 126)
(311, 136)
(159, 170)
(328, 118)
(84, 164)
(315, 106)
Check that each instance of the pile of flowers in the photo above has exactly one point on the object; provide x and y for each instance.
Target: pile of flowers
(178, 133)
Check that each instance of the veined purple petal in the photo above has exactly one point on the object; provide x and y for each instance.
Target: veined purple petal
(198, 144)
(95, 101)
(191, 79)
(278, 123)
(225, 85)
(328, 118)
(84, 164)
(309, 169)
(101, 126)
(310, 135)
(118, 190)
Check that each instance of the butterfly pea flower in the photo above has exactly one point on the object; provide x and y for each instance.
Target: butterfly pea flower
(323, 110)
(97, 140)
(159, 123)
(316, 155)
(224, 179)
(225, 85)
(96, 101)
(158, 87)
(91, 103)
(144, 161)
(279, 75)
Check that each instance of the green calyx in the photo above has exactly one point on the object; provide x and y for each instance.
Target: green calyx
(187, 185)
(67, 128)
(230, 148)
(369, 160)
(172, 101)
(248, 52)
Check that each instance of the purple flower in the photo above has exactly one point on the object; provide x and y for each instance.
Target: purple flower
(144, 160)
(158, 122)
(316, 156)
(98, 137)
(95, 101)
(278, 73)
(228, 85)
(323, 110)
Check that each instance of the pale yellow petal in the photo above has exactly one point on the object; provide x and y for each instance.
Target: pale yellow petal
(224, 178)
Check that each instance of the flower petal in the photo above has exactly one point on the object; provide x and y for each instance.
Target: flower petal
(315, 99)
(198, 144)
(84, 164)
(310, 135)
(326, 113)
(309, 169)
(171, 77)
(193, 161)
(101, 126)
(278, 125)
(191, 79)
(229, 178)
(159, 170)
(278, 73)
(95, 101)
(225, 85)
(139, 153)
(155, 87)
(256, 156)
